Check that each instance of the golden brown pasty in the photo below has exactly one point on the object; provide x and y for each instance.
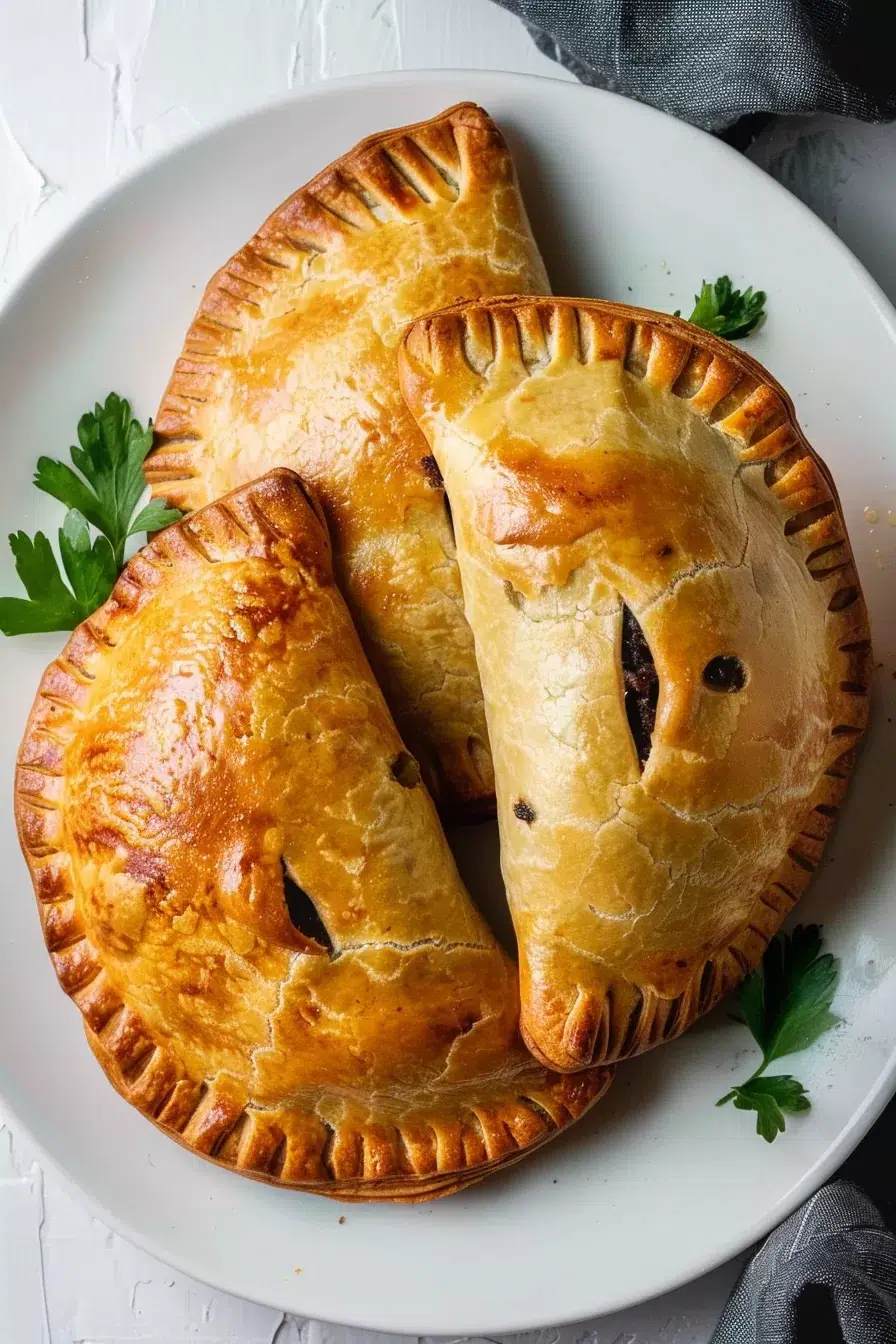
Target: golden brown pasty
(672, 642)
(244, 886)
(291, 362)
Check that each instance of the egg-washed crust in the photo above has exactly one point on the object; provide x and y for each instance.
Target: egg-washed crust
(290, 362)
(733, 392)
(405, 1146)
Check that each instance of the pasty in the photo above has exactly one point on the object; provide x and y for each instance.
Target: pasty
(291, 362)
(244, 886)
(672, 642)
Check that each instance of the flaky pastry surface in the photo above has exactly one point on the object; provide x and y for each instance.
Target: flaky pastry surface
(600, 458)
(214, 727)
(291, 362)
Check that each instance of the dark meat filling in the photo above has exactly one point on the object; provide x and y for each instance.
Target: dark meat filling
(642, 686)
(725, 673)
(431, 472)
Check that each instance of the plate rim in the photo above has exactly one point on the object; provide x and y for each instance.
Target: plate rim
(877, 1098)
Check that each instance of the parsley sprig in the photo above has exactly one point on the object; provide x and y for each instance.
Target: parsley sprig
(729, 312)
(102, 493)
(786, 1003)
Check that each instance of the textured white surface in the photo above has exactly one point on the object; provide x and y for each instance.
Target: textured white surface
(88, 90)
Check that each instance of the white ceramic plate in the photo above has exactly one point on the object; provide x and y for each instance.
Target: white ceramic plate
(656, 1185)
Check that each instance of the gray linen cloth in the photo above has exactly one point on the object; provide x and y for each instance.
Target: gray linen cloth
(711, 62)
(836, 1241)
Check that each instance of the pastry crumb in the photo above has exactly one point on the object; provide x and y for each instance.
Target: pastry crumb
(342, 1219)
(297, 1270)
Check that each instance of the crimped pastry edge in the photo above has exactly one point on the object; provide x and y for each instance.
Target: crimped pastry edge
(567, 1104)
(390, 169)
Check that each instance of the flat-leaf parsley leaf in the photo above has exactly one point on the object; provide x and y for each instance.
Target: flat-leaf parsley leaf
(786, 1004)
(102, 493)
(770, 1098)
(727, 311)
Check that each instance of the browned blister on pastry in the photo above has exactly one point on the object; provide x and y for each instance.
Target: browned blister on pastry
(672, 642)
(244, 885)
(291, 362)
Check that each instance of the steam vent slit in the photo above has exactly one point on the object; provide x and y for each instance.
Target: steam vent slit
(641, 684)
(303, 913)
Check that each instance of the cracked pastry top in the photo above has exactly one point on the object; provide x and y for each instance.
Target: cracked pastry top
(290, 361)
(672, 642)
(244, 886)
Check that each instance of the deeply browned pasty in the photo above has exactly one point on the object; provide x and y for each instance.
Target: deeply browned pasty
(244, 886)
(672, 642)
(291, 362)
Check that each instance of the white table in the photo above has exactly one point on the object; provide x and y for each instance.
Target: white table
(88, 89)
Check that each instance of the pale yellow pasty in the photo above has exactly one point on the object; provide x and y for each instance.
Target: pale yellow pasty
(672, 642)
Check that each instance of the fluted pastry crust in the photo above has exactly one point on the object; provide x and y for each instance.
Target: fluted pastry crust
(212, 725)
(599, 457)
(291, 362)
